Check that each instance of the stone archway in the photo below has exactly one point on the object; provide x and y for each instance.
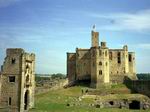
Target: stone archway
(26, 100)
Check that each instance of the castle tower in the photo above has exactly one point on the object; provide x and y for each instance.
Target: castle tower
(126, 68)
(94, 51)
(94, 56)
(18, 80)
(103, 61)
(100, 67)
(95, 38)
(99, 62)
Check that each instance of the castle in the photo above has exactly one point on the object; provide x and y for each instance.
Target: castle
(99, 64)
(17, 81)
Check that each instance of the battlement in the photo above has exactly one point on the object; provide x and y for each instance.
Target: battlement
(11, 51)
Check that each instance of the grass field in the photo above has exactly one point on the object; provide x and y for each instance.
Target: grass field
(57, 100)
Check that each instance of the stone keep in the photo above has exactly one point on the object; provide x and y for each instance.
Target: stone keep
(17, 81)
(99, 64)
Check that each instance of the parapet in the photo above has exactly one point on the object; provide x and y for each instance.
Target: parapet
(11, 51)
(29, 56)
(103, 44)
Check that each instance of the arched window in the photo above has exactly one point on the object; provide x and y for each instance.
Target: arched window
(100, 63)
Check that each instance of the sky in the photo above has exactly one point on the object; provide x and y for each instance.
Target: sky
(50, 28)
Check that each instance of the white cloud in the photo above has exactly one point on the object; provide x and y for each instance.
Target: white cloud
(139, 21)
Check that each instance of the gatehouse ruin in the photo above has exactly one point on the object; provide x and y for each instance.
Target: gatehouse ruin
(17, 81)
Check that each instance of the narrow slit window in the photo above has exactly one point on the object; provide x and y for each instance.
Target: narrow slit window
(9, 101)
(119, 57)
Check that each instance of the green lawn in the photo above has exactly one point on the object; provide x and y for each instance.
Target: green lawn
(57, 100)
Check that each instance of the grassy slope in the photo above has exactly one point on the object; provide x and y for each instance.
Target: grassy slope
(55, 101)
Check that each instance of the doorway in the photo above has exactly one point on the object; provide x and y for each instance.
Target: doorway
(26, 100)
(134, 105)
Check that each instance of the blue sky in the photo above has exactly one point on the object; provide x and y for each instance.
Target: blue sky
(50, 28)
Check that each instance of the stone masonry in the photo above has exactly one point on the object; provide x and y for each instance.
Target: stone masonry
(99, 64)
(17, 81)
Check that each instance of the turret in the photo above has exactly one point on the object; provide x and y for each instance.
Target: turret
(95, 38)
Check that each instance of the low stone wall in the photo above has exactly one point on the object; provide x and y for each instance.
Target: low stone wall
(139, 86)
(120, 78)
(58, 85)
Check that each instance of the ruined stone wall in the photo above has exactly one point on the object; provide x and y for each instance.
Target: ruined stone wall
(121, 65)
(83, 70)
(71, 66)
(17, 78)
(28, 79)
(142, 87)
(132, 70)
(11, 68)
(117, 62)
(139, 86)
(10, 90)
